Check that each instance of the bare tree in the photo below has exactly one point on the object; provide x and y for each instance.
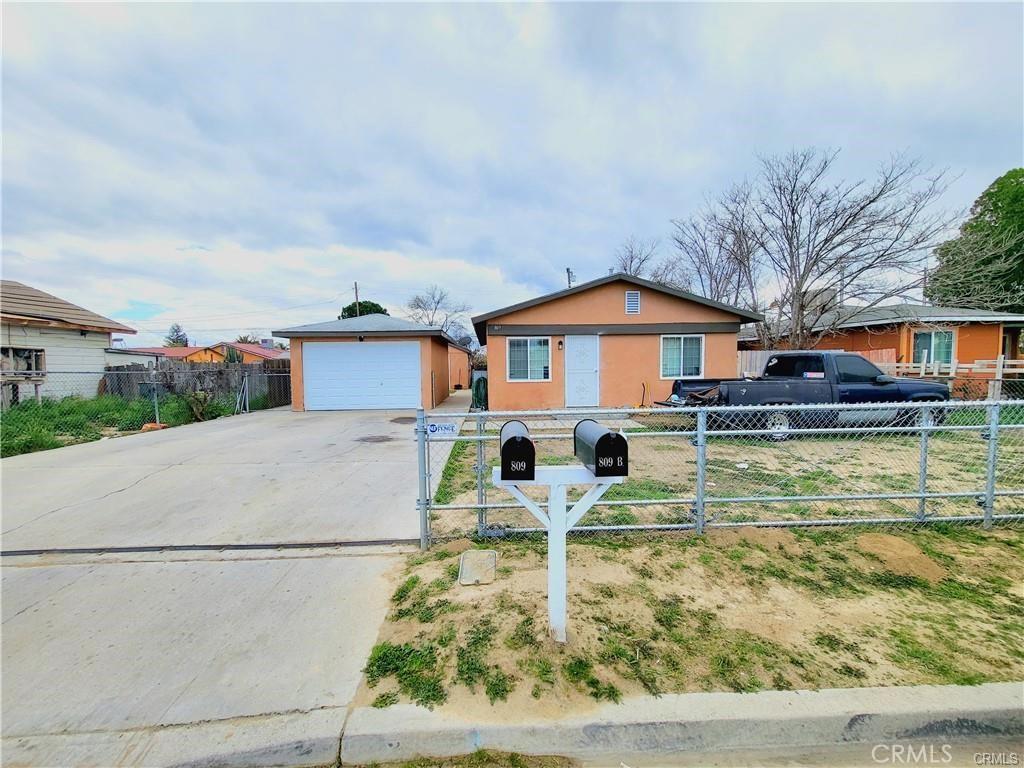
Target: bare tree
(636, 256)
(714, 257)
(816, 243)
(436, 307)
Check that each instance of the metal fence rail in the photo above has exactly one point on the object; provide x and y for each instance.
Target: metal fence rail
(698, 468)
(50, 409)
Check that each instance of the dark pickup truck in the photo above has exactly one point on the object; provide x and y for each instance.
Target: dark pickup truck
(809, 378)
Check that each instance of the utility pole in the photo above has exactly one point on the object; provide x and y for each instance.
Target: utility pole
(570, 275)
(357, 298)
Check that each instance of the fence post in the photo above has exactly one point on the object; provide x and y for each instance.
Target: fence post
(423, 502)
(156, 403)
(246, 377)
(922, 478)
(481, 513)
(990, 464)
(698, 504)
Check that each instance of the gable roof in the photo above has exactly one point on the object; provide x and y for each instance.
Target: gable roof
(28, 305)
(171, 352)
(251, 349)
(365, 325)
(892, 314)
(480, 321)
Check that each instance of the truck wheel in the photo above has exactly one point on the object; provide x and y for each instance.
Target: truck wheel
(779, 424)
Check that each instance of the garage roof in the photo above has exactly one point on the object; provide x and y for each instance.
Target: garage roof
(366, 325)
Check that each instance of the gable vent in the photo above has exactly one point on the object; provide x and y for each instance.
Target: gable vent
(632, 302)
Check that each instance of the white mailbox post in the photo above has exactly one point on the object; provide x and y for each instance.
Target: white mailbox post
(558, 521)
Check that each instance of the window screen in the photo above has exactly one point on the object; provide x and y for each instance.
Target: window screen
(529, 359)
(681, 356)
(632, 302)
(933, 346)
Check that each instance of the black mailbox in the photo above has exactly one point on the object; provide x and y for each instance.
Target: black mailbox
(603, 452)
(518, 455)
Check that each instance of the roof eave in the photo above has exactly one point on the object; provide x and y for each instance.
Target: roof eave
(49, 322)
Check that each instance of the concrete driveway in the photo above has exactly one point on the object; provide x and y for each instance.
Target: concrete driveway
(266, 477)
(226, 657)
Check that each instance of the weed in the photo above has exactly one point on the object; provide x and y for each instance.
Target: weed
(580, 671)
(405, 589)
(523, 635)
(415, 669)
(456, 477)
(385, 700)
(498, 685)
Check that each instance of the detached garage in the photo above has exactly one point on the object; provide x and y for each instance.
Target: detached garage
(369, 362)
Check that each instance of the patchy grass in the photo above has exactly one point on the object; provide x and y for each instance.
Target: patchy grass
(53, 423)
(458, 475)
(735, 610)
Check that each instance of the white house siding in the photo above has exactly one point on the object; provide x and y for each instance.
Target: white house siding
(66, 350)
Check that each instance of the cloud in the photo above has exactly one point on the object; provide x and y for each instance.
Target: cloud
(251, 158)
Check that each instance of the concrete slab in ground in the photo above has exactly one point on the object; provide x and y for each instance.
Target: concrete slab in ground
(272, 476)
(150, 663)
(661, 730)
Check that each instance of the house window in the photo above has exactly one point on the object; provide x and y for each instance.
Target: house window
(20, 360)
(632, 302)
(933, 346)
(682, 357)
(529, 359)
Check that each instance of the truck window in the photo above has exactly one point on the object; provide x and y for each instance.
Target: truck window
(854, 369)
(795, 367)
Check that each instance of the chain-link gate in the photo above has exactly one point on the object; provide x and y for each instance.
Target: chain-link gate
(697, 468)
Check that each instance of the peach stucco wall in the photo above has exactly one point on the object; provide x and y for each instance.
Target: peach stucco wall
(458, 367)
(433, 359)
(861, 340)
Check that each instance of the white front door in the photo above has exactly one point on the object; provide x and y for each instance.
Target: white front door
(582, 370)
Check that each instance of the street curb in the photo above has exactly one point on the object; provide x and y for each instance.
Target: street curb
(702, 723)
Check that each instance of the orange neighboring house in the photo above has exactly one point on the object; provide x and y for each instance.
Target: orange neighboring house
(615, 341)
(917, 333)
(215, 353)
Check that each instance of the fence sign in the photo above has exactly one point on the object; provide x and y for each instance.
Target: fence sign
(442, 429)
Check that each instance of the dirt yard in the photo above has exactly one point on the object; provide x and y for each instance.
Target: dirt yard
(735, 610)
(663, 466)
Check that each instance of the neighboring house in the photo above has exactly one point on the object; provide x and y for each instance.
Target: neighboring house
(214, 353)
(372, 361)
(460, 367)
(122, 356)
(920, 333)
(251, 353)
(618, 340)
(42, 335)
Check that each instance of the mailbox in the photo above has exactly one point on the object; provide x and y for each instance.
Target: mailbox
(518, 455)
(603, 452)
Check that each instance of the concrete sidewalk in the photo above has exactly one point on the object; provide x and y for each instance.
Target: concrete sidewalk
(691, 728)
(168, 658)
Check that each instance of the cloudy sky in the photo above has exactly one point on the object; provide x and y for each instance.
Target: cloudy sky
(236, 167)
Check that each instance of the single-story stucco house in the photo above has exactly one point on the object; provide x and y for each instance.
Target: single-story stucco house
(372, 361)
(218, 353)
(917, 333)
(44, 336)
(616, 341)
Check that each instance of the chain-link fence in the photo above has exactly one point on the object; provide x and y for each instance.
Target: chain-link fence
(57, 408)
(696, 468)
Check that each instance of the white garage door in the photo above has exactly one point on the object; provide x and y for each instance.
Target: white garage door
(339, 375)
